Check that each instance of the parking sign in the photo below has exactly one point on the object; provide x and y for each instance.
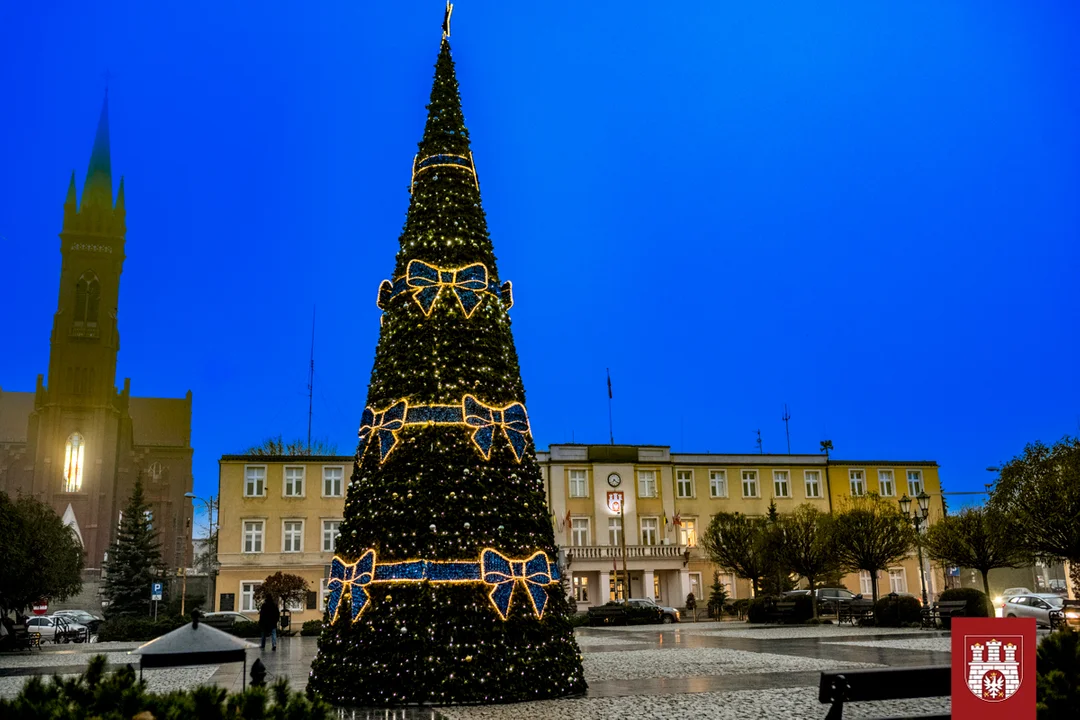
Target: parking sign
(155, 591)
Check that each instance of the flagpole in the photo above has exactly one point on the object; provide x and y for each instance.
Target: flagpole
(611, 432)
(622, 536)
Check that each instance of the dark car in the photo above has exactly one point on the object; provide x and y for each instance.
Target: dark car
(829, 599)
(631, 612)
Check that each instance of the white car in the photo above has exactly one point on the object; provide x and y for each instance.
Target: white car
(57, 629)
(999, 600)
(1038, 606)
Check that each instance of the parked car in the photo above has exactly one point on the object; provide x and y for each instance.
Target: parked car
(628, 612)
(57, 629)
(82, 617)
(829, 599)
(1038, 606)
(999, 600)
(224, 619)
(1068, 615)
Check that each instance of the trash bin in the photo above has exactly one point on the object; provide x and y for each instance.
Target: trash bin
(286, 620)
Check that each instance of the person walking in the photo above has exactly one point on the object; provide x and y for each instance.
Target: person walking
(268, 620)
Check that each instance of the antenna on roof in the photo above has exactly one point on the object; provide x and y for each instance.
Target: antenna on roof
(311, 380)
(787, 431)
(760, 451)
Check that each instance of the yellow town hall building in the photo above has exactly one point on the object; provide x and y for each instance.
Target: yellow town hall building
(283, 514)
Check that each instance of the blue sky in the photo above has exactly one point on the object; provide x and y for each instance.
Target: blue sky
(867, 211)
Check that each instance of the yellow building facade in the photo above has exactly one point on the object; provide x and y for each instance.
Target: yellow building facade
(278, 514)
(668, 498)
(283, 514)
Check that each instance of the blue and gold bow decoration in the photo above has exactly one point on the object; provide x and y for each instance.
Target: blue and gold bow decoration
(353, 576)
(427, 281)
(534, 573)
(513, 420)
(383, 426)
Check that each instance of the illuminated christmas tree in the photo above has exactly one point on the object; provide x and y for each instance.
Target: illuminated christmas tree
(445, 588)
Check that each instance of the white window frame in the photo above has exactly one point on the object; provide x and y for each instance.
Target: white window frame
(285, 482)
(285, 534)
(812, 480)
(257, 535)
(297, 606)
(646, 483)
(245, 595)
(750, 476)
(718, 483)
(727, 581)
(328, 534)
(688, 532)
(897, 580)
(695, 579)
(576, 524)
(866, 585)
(857, 482)
(615, 529)
(323, 592)
(781, 481)
(883, 477)
(340, 481)
(582, 481)
(260, 483)
(918, 486)
(654, 531)
(689, 481)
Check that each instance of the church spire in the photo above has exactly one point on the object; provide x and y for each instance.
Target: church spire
(98, 185)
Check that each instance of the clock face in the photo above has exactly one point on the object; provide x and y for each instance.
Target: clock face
(614, 480)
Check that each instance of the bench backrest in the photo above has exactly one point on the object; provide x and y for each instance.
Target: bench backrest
(885, 684)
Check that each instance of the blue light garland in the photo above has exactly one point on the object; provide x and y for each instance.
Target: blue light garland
(494, 569)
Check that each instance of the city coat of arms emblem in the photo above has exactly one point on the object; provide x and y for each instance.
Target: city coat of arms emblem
(993, 667)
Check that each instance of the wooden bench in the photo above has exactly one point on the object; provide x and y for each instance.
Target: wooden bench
(933, 616)
(837, 688)
(854, 611)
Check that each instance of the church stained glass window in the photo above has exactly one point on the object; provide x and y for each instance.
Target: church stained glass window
(74, 455)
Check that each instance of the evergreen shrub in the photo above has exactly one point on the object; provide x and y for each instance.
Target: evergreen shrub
(311, 627)
(978, 605)
(246, 629)
(903, 611)
(758, 610)
(97, 695)
(125, 628)
(1057, 666)
(804, 609)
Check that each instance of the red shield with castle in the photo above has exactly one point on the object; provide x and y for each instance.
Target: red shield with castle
(993, 667)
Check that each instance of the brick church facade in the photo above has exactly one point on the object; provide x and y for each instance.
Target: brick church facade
(77, 442)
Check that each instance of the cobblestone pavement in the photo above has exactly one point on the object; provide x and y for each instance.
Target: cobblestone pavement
(706, 670)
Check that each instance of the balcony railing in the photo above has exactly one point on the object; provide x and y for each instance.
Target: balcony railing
(608, 552)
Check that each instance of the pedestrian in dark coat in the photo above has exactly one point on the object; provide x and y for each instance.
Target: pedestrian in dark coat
(268, 620)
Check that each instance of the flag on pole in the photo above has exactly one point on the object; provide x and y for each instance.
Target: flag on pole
(609, 384)
(677, 520)
(567, 521)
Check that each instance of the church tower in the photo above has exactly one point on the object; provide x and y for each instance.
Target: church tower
(85, 338)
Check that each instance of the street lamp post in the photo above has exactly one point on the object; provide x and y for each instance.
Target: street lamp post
(190, 540)
(918, 518)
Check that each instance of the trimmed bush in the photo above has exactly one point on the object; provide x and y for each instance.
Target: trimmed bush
(119, 695)
(758, 610)
(1057, 666)
(804, 609)
(128, 629)
(978, 605)
(905, 610)
(311, 627)
(580, 619)
(245, 629)
(739, 607)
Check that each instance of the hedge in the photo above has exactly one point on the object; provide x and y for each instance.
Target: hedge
(978, 605)
(129, 629)
(96, 695)
(311, 627)
(758, 610)
(905, 610)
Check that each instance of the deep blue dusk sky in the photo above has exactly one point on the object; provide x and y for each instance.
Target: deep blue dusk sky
(868, 211)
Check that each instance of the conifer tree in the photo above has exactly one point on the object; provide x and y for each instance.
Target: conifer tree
(446, 585)
(134, 559)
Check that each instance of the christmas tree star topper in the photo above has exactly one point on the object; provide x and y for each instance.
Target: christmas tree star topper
(446, 19)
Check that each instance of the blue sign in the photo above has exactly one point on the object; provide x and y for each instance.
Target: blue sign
(155, 591)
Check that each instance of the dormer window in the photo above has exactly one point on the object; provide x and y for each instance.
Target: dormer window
(74, 455)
